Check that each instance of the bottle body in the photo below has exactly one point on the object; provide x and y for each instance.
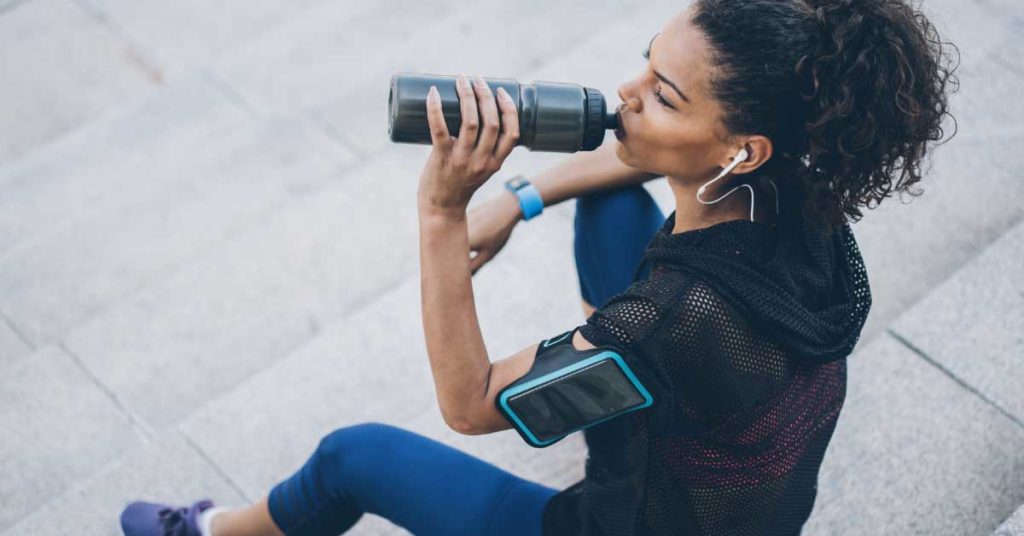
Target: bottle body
(553, 116)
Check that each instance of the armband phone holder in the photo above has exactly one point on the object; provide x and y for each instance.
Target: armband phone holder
(567, 390)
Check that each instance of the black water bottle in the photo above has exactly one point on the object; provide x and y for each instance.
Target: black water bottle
(553, 116)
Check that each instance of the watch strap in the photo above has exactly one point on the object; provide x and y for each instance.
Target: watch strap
(530, 201)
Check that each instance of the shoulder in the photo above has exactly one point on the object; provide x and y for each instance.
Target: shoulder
(651, 305)
(668, 292)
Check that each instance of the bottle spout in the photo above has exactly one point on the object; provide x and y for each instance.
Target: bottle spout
(611, 121)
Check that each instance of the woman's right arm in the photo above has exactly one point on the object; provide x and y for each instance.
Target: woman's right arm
(586, 172)
(491, 223)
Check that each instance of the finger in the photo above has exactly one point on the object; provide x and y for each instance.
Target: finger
(489, 118)
(509, 123)
(439, 134)
(476, 262)
(470, 120)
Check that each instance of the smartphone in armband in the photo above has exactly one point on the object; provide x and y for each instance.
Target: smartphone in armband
(567, 390)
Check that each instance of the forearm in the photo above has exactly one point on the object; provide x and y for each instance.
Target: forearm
(586, 172)
(455, 345)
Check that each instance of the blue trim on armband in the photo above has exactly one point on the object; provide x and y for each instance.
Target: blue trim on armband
(556, 340)
(530, 201)
(648, 399)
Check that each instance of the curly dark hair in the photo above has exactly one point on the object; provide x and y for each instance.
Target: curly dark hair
(849, 92)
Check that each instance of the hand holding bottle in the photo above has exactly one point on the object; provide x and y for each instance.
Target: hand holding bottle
(458, 166)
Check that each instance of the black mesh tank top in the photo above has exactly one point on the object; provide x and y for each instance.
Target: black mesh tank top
(748, 326)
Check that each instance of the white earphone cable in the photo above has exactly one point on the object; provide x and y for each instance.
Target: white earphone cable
(739, 158)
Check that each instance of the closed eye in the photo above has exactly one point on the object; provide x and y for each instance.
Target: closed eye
(656, 90)
(657, 95)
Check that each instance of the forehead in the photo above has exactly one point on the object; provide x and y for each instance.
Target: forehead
(681, 54)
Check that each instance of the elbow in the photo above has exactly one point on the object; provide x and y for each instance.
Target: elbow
(463, 426)
(461, 423)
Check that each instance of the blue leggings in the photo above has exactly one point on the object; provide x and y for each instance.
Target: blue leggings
(428, 487)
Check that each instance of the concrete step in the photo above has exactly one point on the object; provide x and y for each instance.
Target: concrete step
(915, 453)
(59, 427)
(930, 439)
(166, 469)
(89, 220)
(13, 345)
(70, 70)
(971, 326)
(238, 308)
(1013, 526)
(179, 37)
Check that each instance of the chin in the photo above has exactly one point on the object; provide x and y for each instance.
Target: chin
(624, 156)
(620, 151)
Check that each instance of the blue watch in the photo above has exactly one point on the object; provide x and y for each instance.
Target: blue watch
(529, 198)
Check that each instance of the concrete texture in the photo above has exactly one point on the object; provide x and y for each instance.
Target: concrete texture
(973, 325)
(58, 427)
(169, 468)
(208, 257)
(62, 69)
(177, 36)
(915, 453)
(188, 166)
(13, 345)
(1013, 526)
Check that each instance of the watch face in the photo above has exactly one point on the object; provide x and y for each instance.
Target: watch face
(516, 183)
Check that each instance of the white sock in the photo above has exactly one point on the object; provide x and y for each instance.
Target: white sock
(206, 519)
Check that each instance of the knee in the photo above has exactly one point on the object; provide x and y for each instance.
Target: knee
(612, 212)
(357, 436)
(354, 445)
(625, 198)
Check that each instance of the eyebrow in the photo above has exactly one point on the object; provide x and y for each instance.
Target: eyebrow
(661, 76)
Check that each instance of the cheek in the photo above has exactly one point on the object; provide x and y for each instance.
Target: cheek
(677, 146)
(671, 141)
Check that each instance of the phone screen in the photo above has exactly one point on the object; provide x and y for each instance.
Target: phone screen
(575, 400)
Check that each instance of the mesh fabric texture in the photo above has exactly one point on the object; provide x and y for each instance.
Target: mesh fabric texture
(747, 328)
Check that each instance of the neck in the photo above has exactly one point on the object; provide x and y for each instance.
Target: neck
(692, 215)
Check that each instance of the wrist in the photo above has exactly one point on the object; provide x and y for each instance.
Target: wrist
(433, 210)
(509, 204)
(529, 199)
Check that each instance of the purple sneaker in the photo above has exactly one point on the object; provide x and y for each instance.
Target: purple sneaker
(150, 519)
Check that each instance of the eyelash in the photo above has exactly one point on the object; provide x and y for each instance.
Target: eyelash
(657, 95)
(655, 90)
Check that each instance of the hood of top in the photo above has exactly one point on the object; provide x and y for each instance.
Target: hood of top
(808, 289)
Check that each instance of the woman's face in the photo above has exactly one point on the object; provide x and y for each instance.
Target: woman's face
(681, 136)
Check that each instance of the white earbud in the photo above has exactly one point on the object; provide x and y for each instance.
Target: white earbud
(740, 157)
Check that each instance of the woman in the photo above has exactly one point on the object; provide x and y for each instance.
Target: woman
(774, 121)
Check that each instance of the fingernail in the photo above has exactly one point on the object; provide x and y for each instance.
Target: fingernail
(463, 81)
(504, 94)
(481, 83)
(433, 95)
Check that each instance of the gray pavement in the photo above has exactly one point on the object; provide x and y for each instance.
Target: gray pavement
(208, 257)
(1013, 526)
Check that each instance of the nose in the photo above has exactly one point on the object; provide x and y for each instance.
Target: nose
(629, 100)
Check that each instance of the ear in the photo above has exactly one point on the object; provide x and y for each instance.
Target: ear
(759, 150)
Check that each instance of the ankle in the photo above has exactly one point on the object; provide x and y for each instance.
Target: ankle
(211, 522)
